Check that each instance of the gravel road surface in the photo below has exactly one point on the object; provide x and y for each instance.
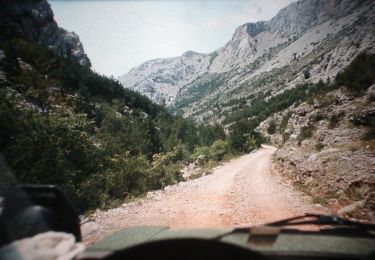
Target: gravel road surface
(242, 192)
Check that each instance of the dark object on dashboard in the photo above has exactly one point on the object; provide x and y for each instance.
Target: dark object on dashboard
(185, 248)
(32, 209)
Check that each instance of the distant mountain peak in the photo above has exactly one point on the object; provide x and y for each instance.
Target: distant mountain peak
(305, 41)
(189, 53)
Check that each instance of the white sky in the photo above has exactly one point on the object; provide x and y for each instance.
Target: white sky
(119, 35)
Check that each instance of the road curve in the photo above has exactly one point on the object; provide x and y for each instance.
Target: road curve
(242, 192)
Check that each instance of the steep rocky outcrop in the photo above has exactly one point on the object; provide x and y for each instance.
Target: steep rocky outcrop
(34, 20)
(308, 40)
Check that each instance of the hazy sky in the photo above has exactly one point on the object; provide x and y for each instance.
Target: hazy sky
(119, 35)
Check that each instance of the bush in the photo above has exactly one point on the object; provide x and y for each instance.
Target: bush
(326, 100)
(319, 146)
(318, 117)
(284, 122)
(306, 74)
(272, 127)
(359, 75)
(200, 150)
(251, 143)
(334, 121)
(306, 133)
(218, 149)
(164, 175)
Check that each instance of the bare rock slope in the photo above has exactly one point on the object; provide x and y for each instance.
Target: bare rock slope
(308, 40)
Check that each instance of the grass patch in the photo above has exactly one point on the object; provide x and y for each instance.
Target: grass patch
(326, 100)
(322, 200)
(319, 146)
(334, 121)
(299, 185)
(284, 122)
(354, 146)
(272, 127)
(306, 133)
(319, 200)
(207, 168)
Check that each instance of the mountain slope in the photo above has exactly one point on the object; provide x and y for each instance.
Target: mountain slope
(326, 141)
(305, 41)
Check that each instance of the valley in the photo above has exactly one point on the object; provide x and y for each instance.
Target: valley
(294, 80)
(305, 42)
(278, 122)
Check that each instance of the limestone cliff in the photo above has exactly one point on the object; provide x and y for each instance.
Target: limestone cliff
(34, 20)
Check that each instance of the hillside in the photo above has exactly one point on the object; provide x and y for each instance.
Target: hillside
(305, 42)
(326, 141)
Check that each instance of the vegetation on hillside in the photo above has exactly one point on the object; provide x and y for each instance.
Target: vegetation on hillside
(61, 123)
(357, 77)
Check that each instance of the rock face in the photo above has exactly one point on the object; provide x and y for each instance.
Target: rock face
(33, 20)
(161, 79)
(336, 165)
(306, 41)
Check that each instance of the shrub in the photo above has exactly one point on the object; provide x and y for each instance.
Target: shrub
(251, 143)
(218, 149)
(319, 146)
(200, 150)
(284, 122)
(318, 117)
(306, 74)
(359, 75)
(368, 120)
(164, 175)
(285, 137)
(271, 127)
(306, 133)
(334, 121)
(326, 100)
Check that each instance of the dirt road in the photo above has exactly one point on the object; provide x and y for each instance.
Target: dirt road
(242, 192)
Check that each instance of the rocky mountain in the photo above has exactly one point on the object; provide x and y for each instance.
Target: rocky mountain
(34, 20)
(306, 41)
(161, 79)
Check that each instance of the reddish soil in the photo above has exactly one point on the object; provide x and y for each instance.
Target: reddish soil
(242, 192)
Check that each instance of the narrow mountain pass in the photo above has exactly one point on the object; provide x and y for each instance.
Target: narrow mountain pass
(242, 192)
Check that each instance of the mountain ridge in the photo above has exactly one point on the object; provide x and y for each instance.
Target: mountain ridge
(316, 36)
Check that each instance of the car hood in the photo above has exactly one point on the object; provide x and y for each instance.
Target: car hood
(273, 240)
